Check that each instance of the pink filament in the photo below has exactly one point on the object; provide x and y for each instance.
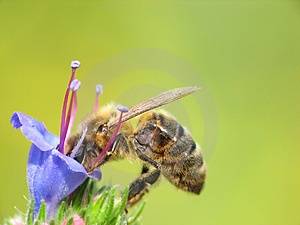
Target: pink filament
(72, 117)
(110, 142)
(99, 90)
(96, 104)
(64, 110)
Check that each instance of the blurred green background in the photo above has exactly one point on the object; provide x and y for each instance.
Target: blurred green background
(245, 55)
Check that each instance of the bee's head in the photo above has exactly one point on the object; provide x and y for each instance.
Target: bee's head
(98, 125)
(96, 136)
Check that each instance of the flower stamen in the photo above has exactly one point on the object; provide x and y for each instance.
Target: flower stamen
(74, 65)
(112, 139)
(99, 91)
(75, 151)
(74, 86)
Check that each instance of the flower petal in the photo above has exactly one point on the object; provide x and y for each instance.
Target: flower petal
(36, 161)
(52, 176)
(34, 131)
(96, 174)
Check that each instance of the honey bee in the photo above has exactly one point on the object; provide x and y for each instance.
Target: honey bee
(162, 145)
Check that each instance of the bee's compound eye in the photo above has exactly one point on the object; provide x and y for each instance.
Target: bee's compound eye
(102, 128)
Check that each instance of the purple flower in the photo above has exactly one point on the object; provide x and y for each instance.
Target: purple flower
(52, 175)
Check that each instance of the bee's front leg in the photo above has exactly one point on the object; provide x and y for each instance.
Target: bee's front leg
(140, 186)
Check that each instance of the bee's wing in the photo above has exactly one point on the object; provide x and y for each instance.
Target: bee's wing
(157, 101)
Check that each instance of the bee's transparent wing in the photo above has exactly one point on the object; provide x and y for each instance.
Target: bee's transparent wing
(157, 101)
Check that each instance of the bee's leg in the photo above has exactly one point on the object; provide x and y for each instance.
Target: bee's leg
(145, 169)
(119, 148)
(140, 186)
(145, 158)
(139, 149)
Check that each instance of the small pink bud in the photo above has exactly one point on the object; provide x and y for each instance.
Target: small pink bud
(64, 222)
(77, 220)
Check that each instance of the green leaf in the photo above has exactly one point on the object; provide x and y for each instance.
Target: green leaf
(93, 209)
(42, 214)
(89, 193)
(121, 220)
(77, 195)
(120, 207)
(107, 207)
(61, 212)
(29, 212)
(103, 189)
(70, 221)
(136, 214)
